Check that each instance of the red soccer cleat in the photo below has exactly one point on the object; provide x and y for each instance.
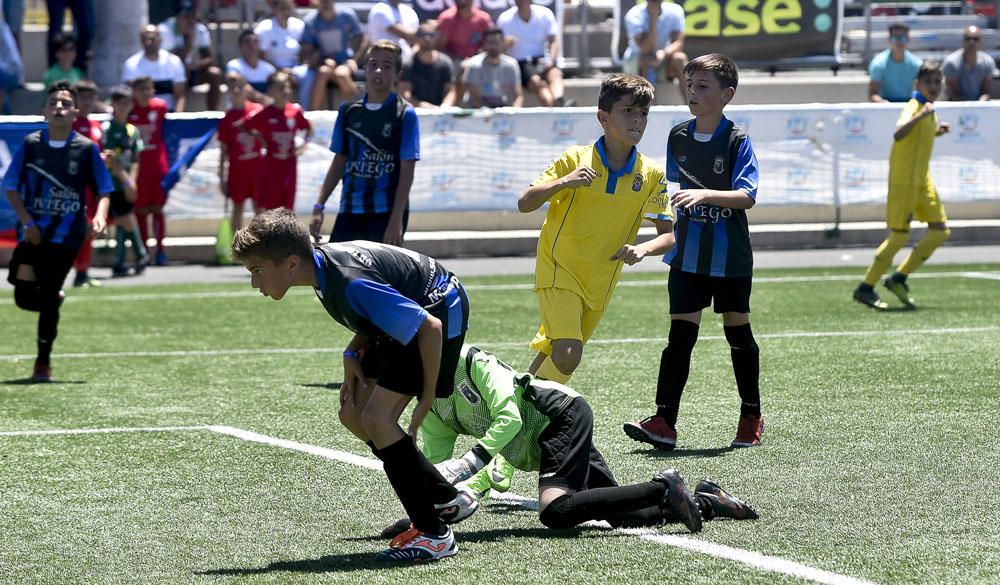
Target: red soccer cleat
(653, 430)
(749, 431)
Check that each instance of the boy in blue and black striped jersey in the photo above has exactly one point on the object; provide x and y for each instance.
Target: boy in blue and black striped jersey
(714, 163)
(45, 185)
(376, 141)
(409, 316)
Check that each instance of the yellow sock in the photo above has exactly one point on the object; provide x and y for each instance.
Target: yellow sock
(923, 250)
(884, 256)
(549, 371)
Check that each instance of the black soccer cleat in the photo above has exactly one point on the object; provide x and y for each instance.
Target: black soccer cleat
(677, 501)
(396, 528)
(718, 503)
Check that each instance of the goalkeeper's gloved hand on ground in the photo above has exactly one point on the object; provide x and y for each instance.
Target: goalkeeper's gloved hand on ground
(461, 468)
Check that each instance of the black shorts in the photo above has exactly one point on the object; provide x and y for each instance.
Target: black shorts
(51, 262)
(569, 459)
(690, 292)
(530, 68)
(363, 226)
(120, 206)
(397, 367)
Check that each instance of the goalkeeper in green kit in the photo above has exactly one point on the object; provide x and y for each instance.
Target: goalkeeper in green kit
(544, 426)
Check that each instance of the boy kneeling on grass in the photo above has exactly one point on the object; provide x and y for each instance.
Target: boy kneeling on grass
(409, 316)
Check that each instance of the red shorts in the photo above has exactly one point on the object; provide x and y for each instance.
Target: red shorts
(148, 185)
(277, 185)
(244, 183)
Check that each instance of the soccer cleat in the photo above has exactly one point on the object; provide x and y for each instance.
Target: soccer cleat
(42, 373)
(396, 528)
(677, 501)
(414, 546)
(901, 290)
(720, 503)
(868, 296)
(119, 270)
(161, 258)
(141, 264)
(478, 486)
(653, 430)
(460, 508)
(748, 432)
(501, 473)
(82, 279)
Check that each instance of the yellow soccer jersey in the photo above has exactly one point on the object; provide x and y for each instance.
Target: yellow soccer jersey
(586, 225)
(910, 158)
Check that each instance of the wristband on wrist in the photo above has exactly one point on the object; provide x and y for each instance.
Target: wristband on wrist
(30, 224)
(351, 355)
(319, 207)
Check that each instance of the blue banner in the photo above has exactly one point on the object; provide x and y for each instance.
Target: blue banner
(185, 138)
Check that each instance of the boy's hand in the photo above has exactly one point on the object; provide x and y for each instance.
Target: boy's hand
(98, 225)
(943, 128)
(927, 110)
(685, 198)
(354, 378)
(316, 223)
(461, 468)
(419, 413)
(629, 253)
(580, 177)
(32, 234)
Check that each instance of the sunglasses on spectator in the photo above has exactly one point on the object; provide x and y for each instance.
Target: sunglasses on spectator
(899, 38)
(425, 35)
(977, 39)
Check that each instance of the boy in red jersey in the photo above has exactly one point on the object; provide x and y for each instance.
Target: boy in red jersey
(148, 114)
(276, 125)
(86, 98)
(240, 151)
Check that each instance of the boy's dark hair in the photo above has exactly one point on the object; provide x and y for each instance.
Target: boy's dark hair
(140, 81)
(899, 26)
(721, 66)
(61, 85)
(618, 85)
(928, 68)
(85, 86)
(244, 35)
(387, 45)
(63, 38)
(492, 31)
(273, 236)
(120, 93)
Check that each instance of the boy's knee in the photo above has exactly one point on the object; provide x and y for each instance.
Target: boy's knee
(555, 515)
(566, 357)
(939, 235)
(27, 297)
(373, 422)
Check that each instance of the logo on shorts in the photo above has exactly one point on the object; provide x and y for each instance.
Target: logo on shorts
(469, 394)
(719, 166)
(637, 183)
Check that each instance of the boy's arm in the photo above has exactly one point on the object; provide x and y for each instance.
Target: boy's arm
(439, 438)
(32, 234)
(663, 241)
(536, 195)
(223, 162)
(743, 195)
(905, 127)
(333, 176)
(394, 231)
(429, 340)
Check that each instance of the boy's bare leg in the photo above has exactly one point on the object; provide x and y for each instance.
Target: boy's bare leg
(350, 414)
(565, 357)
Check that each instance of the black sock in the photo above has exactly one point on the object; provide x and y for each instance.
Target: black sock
(648, 516)
(601, 503)
(402, 467)
(865, 287)
(440, 490)
(899, 277)
(48, 325)
(675, 363)
(746, 367)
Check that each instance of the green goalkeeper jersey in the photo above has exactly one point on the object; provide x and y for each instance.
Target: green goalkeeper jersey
(505, 410)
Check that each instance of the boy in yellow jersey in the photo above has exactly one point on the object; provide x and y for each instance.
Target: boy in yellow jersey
(598, 196)
(912, 194)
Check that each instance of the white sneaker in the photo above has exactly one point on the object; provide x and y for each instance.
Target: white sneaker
(414, 546)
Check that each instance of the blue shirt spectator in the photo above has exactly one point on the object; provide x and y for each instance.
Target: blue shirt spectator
(336, 37)
(892, 72)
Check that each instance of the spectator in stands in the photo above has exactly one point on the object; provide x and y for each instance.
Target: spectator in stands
(394, 21)
(12, 12)
(428, 80)
(968, 72)
(190, 40)
(251, 67)
(460, 31)
(893, 71)
(656, 55)
(11, 67)
(494, 78)
(279, 35)
(334, 32)
(65, 47)
(163, 67)
(531, 35)
(83, 21)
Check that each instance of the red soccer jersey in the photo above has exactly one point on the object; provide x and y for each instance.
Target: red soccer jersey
(89, 128)
(149, 121)
(244, 148)
(278, 129)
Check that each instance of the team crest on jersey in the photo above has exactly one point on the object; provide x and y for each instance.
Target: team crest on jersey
(290, 122)
(469, 394)
(72, 167)
(682, 158)
(387, 129)
(152, 116)
(637, 183)
(719, 165)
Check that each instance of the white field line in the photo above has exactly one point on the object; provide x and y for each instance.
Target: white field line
(757, 560)
(141, 297)
(502, 344)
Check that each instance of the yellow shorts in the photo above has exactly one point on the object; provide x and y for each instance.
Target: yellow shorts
(564, 316)
(913, 202)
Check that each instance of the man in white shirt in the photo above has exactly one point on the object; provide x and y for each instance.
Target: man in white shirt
(656, 42)
(392, 20)
(250, 65)
(166, 69)
(279, 35)
(531, 36)
(189, 39)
